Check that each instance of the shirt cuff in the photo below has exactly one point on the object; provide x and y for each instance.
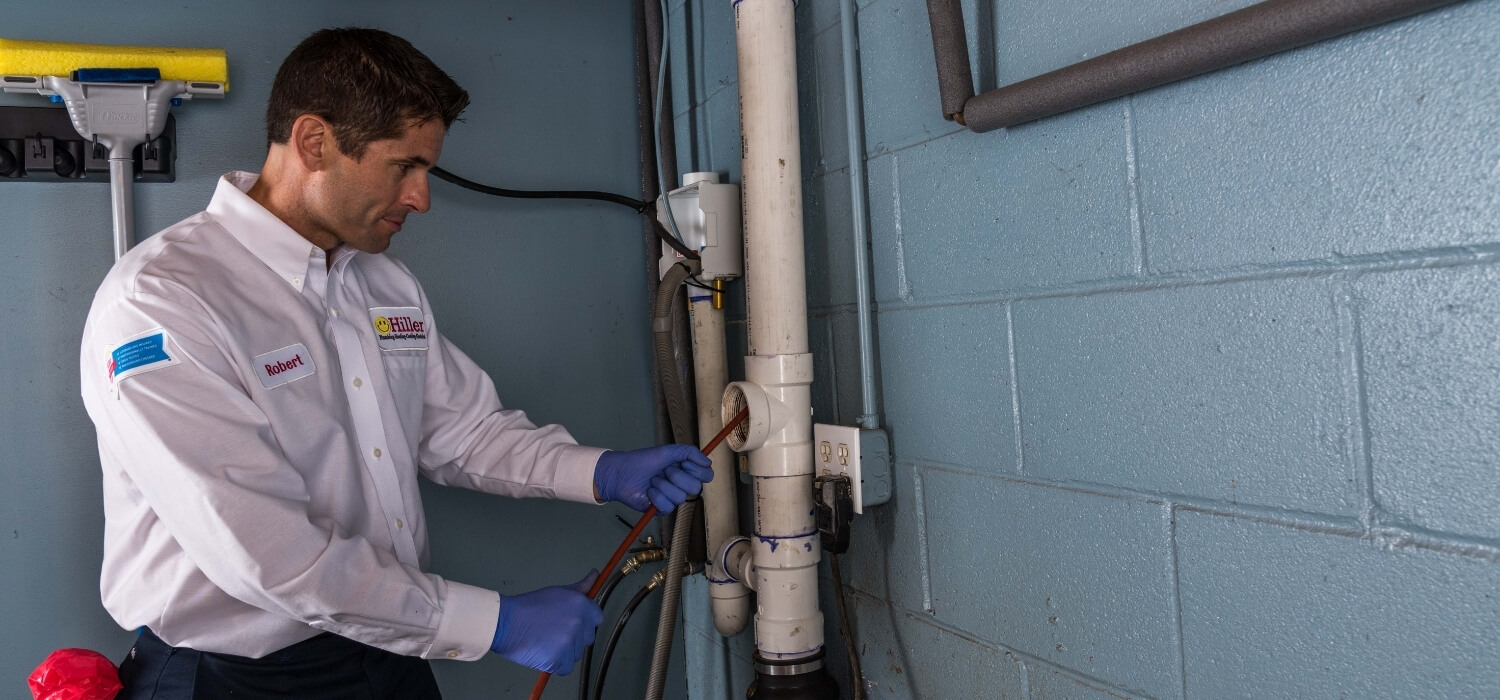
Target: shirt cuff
(574, 480)
(468, 627)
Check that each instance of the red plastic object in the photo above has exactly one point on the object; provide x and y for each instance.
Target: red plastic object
(75, 674)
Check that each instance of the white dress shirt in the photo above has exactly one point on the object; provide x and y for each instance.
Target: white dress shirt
(262, 418)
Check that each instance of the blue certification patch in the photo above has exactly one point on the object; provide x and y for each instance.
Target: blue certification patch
(143, 353)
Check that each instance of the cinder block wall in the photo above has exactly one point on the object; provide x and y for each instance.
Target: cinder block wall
(1194, 393)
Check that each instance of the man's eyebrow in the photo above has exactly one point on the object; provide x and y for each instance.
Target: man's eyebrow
(416, 160)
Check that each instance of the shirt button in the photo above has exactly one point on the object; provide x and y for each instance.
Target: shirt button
(358, 382)
(335, 312)
(377, 453)
(399, 524)
(453, 654)
(297, 281)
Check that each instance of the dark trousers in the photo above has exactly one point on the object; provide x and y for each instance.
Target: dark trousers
(326, 667)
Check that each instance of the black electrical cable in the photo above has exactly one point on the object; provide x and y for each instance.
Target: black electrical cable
(588, 653)
(614, 637)
(857, 676)
(640, 207)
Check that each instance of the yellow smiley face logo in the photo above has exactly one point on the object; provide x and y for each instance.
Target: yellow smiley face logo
(382, 325)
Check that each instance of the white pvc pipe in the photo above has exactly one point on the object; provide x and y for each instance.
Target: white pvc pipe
(730, 598)
(786, 551)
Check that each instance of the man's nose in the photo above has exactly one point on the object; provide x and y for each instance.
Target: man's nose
(417, 196)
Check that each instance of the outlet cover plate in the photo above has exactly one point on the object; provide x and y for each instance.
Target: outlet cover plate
(863, 454)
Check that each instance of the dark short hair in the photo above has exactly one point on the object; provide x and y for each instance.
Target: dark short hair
(368, 84)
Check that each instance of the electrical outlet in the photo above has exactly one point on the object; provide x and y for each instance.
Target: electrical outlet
(864, 455)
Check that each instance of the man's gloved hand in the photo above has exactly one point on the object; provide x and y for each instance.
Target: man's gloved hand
(548, 629)
(662, 476)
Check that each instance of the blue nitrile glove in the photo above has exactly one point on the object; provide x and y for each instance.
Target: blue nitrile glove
(662, 476)
(548, 629)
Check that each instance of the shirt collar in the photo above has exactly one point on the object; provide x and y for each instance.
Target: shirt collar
(282, 249)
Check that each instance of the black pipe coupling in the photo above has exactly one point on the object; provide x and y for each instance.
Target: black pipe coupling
(792, 679)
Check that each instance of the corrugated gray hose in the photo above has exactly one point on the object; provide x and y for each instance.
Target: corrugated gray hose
(678, 413)
(666, 625)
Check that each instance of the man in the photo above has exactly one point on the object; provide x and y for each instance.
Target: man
(267, 385)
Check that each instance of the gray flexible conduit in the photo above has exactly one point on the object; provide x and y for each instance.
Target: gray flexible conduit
(678, 410)
(666, 625)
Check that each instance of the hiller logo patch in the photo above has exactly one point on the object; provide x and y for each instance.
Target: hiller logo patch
(399, 327)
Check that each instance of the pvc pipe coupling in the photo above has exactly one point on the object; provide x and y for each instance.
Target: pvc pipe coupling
(767, 374)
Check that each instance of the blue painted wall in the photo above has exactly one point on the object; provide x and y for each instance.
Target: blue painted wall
(548, 297)
(1193, 393)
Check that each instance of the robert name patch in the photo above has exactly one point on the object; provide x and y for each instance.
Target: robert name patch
(284, 366)
(399, 327)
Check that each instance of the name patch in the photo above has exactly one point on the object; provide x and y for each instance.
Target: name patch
(139, 354)
(284, 366)
(399, 327)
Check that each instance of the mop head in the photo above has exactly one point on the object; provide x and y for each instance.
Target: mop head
(19, 57)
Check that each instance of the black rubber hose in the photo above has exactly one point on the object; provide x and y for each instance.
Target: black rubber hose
(645, 208)
(588, 653)
(639, 206)
(614, 637)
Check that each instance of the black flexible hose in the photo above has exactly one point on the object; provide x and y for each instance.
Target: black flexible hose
(614, 637)
(641, 207)
(588, 653)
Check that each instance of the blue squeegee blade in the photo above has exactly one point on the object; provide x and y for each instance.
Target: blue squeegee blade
(116, 75)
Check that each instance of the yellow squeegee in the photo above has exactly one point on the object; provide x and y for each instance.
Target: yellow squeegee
(19, 57)
(117, 96)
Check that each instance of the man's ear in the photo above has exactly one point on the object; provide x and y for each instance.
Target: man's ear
(312, 142)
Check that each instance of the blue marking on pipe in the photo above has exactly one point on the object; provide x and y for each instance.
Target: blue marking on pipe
(775, 541)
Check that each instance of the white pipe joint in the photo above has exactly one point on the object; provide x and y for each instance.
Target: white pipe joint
(777, 390)
(734, 562)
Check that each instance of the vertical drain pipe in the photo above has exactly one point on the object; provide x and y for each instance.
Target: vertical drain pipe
(721, 517)
(786, 547)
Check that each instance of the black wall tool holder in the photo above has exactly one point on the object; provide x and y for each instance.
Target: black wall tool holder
(39, 144)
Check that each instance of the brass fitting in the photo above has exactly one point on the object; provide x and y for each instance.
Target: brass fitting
(634, 563)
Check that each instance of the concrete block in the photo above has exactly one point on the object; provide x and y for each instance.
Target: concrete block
(1047, 684)
(1269, 611)
(832, 123)
(886, 552)
(1379, 141)
(1032, 37)
(1034, 206)
(1430, 342)
(828, 234)
(900, 79)
(1080, 580)
(1229, 391)
(946, 381)
(904, 656)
